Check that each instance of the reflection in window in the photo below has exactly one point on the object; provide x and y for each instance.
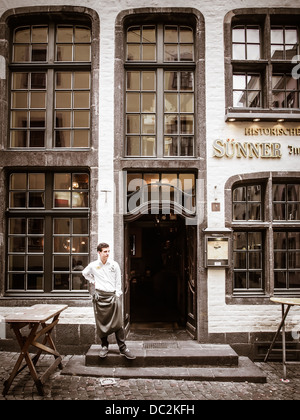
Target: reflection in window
(285, 91)
(27, 190)
(163, 190)
(33, 263)
(286, 201)
(32, 91)
(286, 260)
(246, 90)
(71, 247)
(246, 43)
(248, 257)
(26, 253)
(71, 190)
(284, 42)
(247, 203)
(160, 104)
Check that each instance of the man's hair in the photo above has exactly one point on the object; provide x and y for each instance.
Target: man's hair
(101, 246)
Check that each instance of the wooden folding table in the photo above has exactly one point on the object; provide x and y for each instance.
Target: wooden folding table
(35, 317)
(289, 302)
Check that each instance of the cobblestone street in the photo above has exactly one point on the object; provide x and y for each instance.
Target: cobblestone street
(62, 387)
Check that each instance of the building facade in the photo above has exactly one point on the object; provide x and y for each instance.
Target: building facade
(170, 131)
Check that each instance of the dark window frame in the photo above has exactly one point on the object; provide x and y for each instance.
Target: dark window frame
(267, 226)
(266, 66)
(48, 214)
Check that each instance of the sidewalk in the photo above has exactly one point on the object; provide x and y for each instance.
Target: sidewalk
(63, 387)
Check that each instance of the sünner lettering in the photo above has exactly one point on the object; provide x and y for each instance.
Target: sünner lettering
(232, 148)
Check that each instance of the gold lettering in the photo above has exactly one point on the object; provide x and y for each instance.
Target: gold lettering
(253, 150)
(241, 150)
(219, 150)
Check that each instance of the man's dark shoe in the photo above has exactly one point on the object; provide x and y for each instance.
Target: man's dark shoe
(103, 352)
(127, 353)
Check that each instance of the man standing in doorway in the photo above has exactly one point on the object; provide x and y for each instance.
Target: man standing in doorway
(105, 275)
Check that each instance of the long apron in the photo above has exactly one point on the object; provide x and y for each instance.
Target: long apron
(108, 312)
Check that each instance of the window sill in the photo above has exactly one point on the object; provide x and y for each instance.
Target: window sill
(236, 115)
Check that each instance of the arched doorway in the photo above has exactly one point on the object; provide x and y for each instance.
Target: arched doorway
(160, 267)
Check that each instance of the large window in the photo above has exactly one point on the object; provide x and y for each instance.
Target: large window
(160, 91)
(266, 238)
(50, 86)
(264, 50)
(48, 231)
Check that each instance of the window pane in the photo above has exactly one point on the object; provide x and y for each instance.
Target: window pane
(21, 53)
(253, 52)
(61, 226)
(133, 124)
(171, 80)
(81, 99)
(238, 52)
(186, 35)
(20, 80)
(35, 244)
(132, 102)
(171, 102)
(133, 80)
(133, 52)
(171, 53)
(80, 226)
(20, 100)
(133, 146)
(186, 53)
(18, 138)
(63, 80)
(187, 124)
(148, 80)
(35, 263)
(81, 119)
(17, 226)
(63, 99)
(82, 53)
(148, 102)
(187, 146)
(186, 102)
(61, 263)
(35, 226)
(134, 34)
(171, 124)
(148, 52)
(36, 199)
(62, 199)
(81, 138)
(18, 181)
(148, 146)
(62, 181)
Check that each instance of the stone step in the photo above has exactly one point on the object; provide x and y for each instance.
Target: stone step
(245, 371)
(165, 354)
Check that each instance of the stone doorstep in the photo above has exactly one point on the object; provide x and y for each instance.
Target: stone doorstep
(165, 354)
(188, 361)
(246, 371)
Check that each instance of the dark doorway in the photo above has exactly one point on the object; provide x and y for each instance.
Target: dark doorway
(157, 269)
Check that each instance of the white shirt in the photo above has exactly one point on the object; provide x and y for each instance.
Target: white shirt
(105, 277)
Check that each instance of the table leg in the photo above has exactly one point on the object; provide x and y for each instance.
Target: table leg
(284, 315)
(283, 344)
(24, 345)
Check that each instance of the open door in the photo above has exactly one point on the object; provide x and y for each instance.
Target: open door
(191, 267)
(126, 291)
